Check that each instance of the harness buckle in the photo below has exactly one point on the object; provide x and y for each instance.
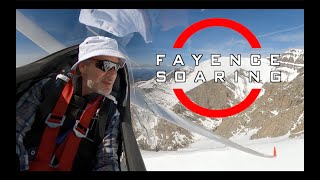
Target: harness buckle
(78, 133)
(52, 161)
(53, 124)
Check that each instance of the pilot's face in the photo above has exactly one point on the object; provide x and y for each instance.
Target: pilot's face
(95, 78)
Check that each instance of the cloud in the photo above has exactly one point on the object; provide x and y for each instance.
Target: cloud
(234, 41)
(281, 31)
(289, 37)
(284, 35)
(166, 21)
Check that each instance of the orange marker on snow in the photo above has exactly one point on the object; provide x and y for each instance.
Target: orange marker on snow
(274, 152)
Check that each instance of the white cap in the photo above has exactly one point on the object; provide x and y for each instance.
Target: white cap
(99, 46)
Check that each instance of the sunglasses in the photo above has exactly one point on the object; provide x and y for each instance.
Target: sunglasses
(106, 65)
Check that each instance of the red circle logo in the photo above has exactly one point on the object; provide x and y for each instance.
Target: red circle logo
(180, 41)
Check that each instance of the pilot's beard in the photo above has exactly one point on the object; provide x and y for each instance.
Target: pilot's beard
(96, 89)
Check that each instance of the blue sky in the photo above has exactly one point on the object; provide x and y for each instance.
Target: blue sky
(276, 29)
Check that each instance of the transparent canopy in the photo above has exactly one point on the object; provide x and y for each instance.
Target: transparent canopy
(151, 33)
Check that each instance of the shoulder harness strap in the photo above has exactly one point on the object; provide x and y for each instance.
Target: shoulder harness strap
(67, 150)
(54, 121)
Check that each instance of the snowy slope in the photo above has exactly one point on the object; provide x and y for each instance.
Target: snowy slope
(206, 155)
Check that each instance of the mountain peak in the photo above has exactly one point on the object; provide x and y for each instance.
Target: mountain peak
(293, 56)
(295, 52)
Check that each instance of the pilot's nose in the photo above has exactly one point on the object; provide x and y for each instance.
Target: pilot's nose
(111, 72)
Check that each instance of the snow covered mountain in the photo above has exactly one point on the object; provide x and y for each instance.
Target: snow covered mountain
(278, 111)
(154, 133)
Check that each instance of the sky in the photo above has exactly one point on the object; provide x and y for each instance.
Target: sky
(277, 30)
(207, 155)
